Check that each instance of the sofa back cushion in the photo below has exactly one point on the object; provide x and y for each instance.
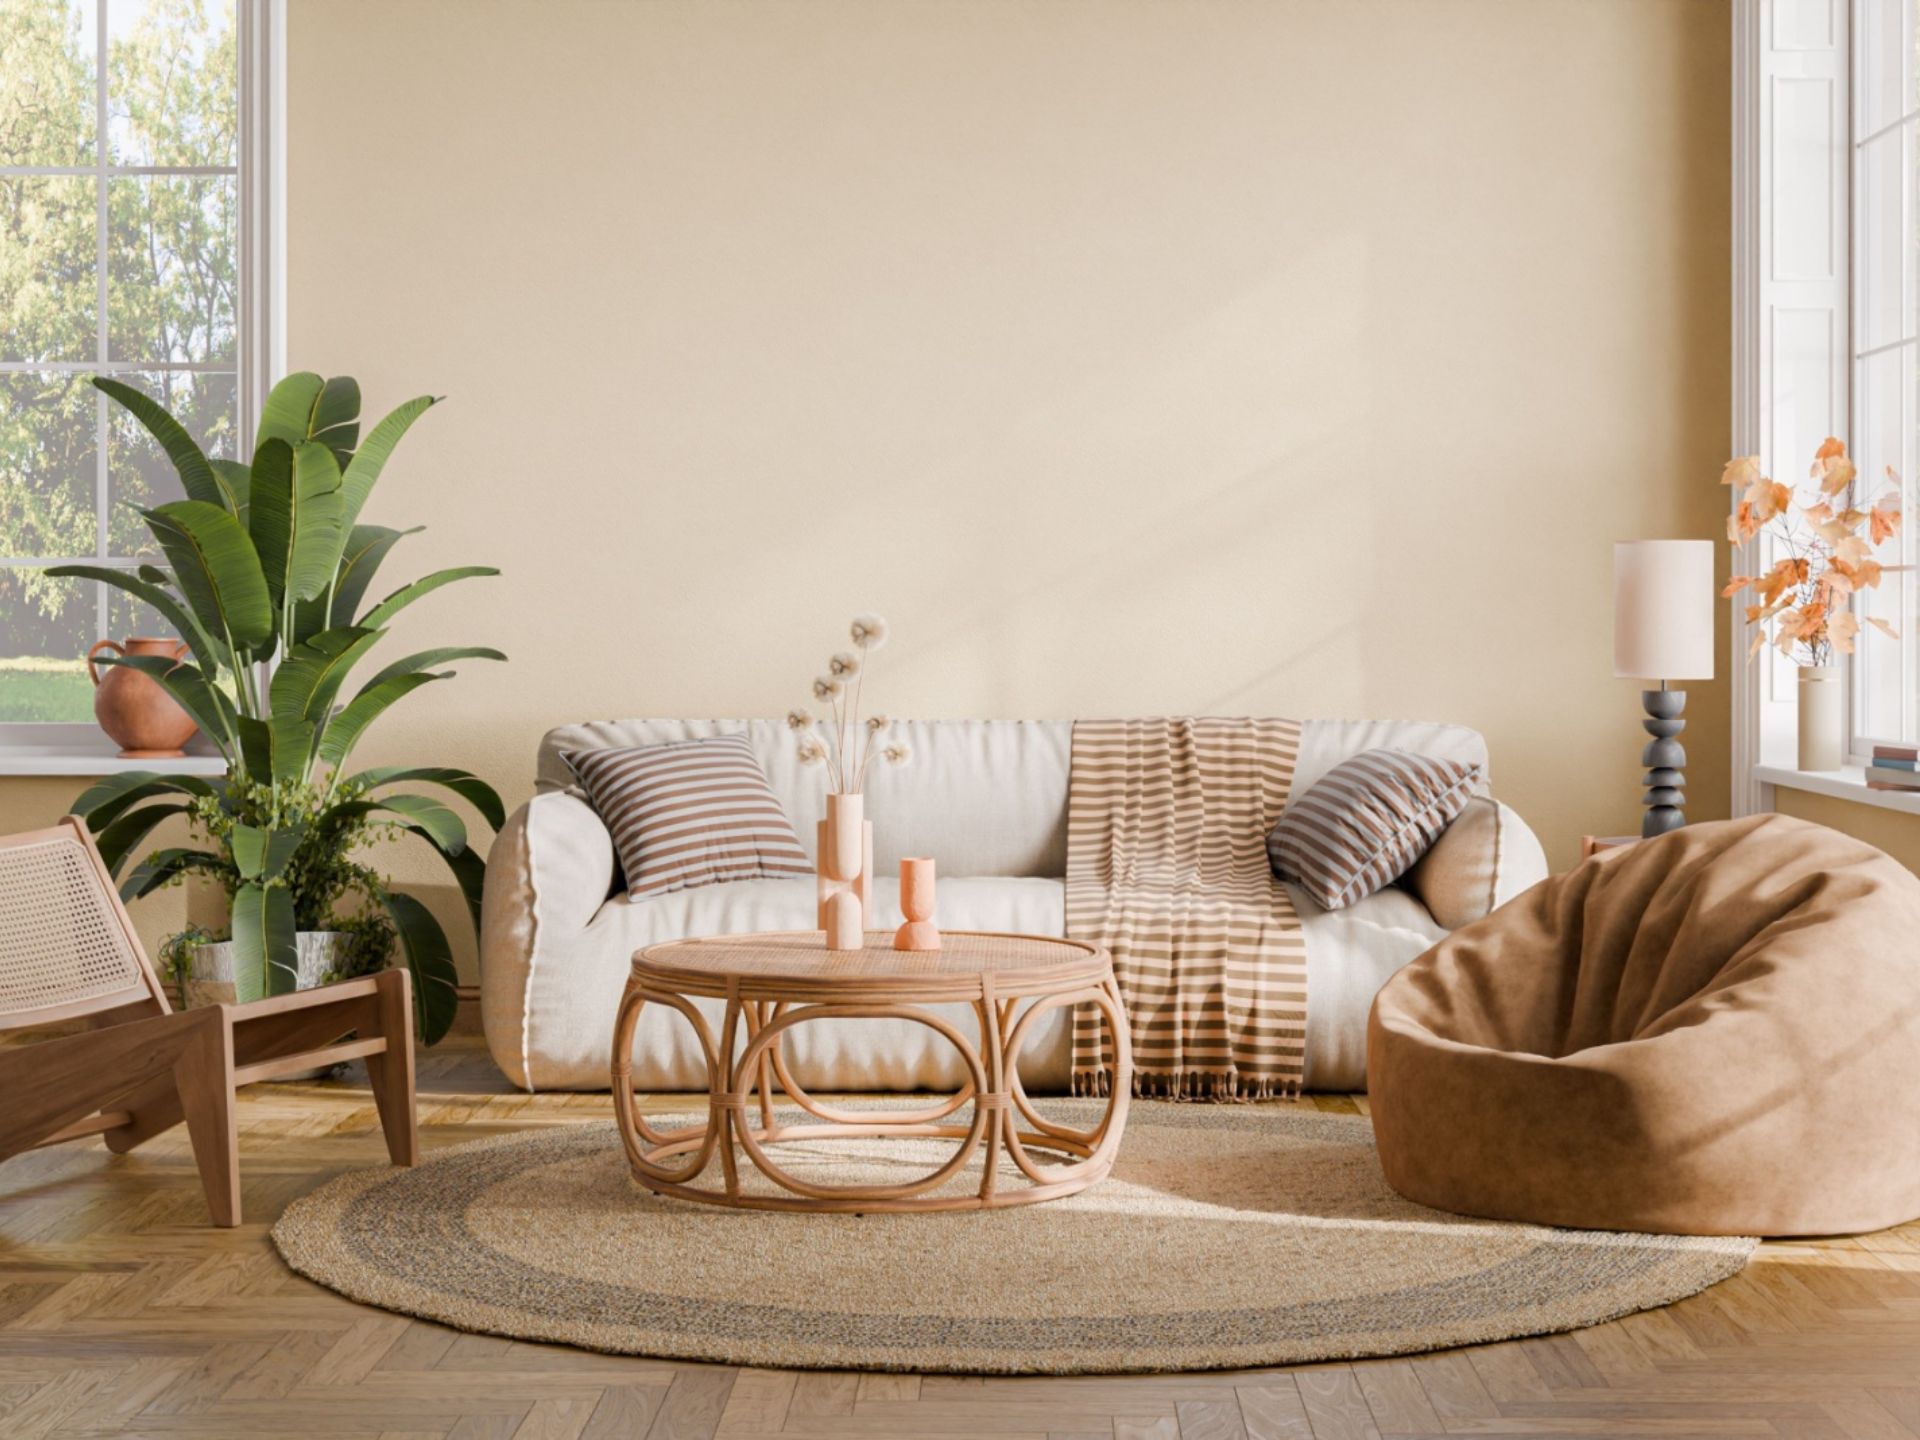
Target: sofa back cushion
(983, 797)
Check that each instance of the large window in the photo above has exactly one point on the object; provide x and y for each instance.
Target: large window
(1886, 344)
(120, 254)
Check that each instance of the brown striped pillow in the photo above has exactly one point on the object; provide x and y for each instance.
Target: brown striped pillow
(693, 813)
(1365, 821)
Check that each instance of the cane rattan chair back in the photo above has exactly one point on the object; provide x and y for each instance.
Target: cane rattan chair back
(67, 948)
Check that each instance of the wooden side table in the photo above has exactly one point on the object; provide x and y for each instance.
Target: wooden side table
(1591, 845)
(774, 982)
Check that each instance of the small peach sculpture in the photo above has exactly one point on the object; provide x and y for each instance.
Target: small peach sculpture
(916, 903)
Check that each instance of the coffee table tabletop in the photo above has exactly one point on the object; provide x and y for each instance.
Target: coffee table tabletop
(796, 965)
(771, 983)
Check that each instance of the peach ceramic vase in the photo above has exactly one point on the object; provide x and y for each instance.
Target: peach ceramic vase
(136, 712)
(846, 872)
(916, 903)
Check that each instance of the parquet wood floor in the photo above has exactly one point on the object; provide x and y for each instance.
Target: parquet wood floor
(123, 1313)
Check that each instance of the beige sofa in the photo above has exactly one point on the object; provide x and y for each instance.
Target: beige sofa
(987, 799)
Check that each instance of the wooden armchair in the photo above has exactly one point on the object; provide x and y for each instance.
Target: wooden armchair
(68, 951)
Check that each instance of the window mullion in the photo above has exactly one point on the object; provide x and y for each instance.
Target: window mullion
(101, 489)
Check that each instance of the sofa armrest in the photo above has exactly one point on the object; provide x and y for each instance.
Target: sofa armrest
(1523, 860)
(549, 872)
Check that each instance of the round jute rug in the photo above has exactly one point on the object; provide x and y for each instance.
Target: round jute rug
(1227, 1236)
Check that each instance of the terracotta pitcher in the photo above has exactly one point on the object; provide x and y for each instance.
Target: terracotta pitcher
(137, 714)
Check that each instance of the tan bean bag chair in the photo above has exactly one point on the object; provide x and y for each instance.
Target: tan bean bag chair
(1713, 1032)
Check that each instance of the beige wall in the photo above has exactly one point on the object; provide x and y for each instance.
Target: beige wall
(1893, 831)
(1289, 358)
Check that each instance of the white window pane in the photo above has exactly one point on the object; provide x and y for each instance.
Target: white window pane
(1883, 287)
(47, 61)
(173, 267)
(46, 626)
(127, 617)
(1885, 45)
(49, 424)
(138, 471)
(48, 267)
(172, 82)
(1886, 406)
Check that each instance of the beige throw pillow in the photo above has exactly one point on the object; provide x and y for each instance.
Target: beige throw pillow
(693, 813)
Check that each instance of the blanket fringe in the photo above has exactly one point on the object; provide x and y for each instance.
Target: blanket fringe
(1221, 1087)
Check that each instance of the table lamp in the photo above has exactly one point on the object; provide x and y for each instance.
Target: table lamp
(1663, 610)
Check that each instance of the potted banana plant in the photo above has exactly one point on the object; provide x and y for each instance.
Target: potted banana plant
(267, 576)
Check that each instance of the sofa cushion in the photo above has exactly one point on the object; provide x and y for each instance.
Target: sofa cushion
(983, 797)
(692, 814)
(1366, 822)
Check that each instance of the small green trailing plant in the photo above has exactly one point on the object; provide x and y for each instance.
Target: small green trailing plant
(267, 574)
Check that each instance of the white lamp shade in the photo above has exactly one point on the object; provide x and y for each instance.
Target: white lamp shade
(1663, 609)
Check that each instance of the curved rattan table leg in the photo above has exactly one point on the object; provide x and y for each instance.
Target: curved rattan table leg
(878, 1197)
(1097, 1146)
(800, 1097)
(645, 1146)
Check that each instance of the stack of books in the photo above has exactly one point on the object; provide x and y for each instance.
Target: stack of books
(1894, 767)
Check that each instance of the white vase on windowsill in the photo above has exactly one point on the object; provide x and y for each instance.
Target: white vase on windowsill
(1822, 739)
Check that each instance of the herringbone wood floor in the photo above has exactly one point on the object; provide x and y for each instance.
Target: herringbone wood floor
(122, 1313)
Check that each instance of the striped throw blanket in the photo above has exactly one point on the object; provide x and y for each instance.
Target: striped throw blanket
(1167, 867)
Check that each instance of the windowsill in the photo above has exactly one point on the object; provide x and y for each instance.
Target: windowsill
(97, 755)
(1849, 783)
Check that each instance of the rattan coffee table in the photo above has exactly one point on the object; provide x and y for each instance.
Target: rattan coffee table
(772, 983)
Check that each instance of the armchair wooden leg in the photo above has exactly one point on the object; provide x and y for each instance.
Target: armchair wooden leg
(204, 1075)
(392, 1073)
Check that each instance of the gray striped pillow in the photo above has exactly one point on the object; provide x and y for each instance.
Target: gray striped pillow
(693, 813)
(1365, 821)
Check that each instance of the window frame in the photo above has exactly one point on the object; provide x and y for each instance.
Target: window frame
(1873, 652)
(78, 747)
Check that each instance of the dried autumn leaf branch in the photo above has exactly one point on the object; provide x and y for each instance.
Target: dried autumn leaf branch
(1803, 595)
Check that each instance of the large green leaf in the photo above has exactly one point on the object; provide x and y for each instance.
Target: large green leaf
(119, 839)
(238, 480)
(364, 469)
(288, 413)
(344, 730)
(212, 657)
(280, 748)
(306, 682)
(430, 959)
(197, 476)
(469, 872)
(263, 854)
(336, 418)
(428, 659)
(295, 518)
(216, 568)
(108, 798)
(366, 547)
(206, 702)
(429, 817)
(384, 612)
(266, 952)
(163, 865)
(464, 783)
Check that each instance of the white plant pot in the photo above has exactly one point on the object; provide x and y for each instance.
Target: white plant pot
(209, 979)
(1823, 741)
